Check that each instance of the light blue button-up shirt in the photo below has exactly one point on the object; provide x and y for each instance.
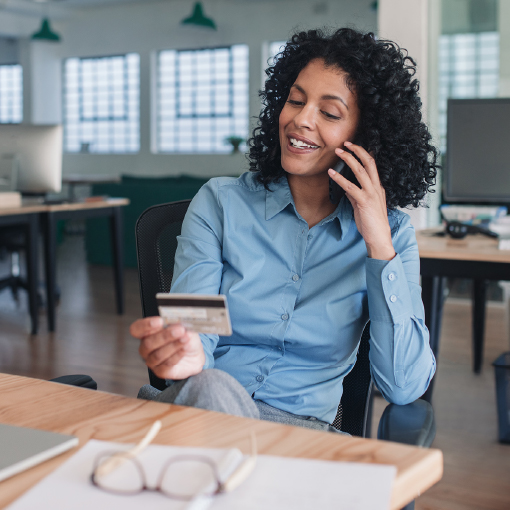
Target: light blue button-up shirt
(300, 297)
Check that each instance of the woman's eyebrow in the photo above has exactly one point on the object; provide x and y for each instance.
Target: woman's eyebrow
(327, 97)
(337, 98)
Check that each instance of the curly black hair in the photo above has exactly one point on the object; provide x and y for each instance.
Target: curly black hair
(390, 127)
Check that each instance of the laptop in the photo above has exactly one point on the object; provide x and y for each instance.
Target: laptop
(21, 448)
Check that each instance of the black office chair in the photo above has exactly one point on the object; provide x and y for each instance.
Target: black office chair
(12, 241)
(80, 380)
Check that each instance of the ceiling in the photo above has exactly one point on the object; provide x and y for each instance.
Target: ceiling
(85, 3)
(61, 9)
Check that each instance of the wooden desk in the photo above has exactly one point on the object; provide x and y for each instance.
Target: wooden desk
(79, 210)
(47, 216)
(92, 414)
(475, 257)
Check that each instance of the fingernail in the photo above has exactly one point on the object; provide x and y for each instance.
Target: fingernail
(347, 143)
(156, 321)
(331, 172)
(340, 150)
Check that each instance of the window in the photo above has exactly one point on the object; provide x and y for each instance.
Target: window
(202, 99)
(101, 98)
(11, 94)
(468, 68)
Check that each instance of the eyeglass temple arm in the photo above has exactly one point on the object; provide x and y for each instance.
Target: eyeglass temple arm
(244, 470)
(116, 461)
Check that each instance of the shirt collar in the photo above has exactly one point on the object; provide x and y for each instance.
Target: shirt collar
(280, 197)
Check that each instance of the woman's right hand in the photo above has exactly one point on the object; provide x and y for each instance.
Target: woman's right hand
(172, 352)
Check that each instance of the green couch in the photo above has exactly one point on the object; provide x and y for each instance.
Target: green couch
(143, 192)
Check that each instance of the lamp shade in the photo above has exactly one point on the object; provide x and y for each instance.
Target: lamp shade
(45, 33)
(198, 18)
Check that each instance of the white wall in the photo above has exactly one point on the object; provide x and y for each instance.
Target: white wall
(154, 25)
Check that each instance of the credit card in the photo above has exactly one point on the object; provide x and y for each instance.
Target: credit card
(196, 312)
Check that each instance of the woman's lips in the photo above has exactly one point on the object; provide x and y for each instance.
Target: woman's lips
(300, 145)
(300, 150)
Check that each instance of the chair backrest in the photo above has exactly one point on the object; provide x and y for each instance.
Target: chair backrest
(354, 411)
(156, 241)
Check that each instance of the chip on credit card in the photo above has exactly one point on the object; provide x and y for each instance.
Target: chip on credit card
(196, 312)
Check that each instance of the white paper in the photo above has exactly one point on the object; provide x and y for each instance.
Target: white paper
(293, 484)
(276, 483)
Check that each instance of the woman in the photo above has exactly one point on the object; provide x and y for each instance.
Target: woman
(307, 256)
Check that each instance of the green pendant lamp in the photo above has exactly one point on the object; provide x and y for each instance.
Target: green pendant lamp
(45, 33)
(199, 19)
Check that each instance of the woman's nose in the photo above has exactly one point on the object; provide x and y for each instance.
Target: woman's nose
(305, 118)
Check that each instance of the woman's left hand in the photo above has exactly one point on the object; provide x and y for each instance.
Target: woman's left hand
(368, 202)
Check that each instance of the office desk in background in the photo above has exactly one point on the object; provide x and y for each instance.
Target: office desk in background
(90, 414)
(28, 219)
(111, 208)
(476, 257)
(47, 216)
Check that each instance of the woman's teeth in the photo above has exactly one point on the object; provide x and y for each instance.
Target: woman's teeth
(301, 145)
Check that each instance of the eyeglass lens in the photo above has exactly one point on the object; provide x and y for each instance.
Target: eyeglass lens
(127, 478)
(184, 478)
(181, 478)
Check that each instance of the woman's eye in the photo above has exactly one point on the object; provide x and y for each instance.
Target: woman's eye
(294, 102)
(329, 116)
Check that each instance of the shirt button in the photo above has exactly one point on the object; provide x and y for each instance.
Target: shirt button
(295, 277)
(285, 316)
(393, 298)
(391, 277)
(260, 378)
(310, 236)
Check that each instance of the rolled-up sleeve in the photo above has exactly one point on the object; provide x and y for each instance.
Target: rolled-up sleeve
(198, 259)
(401, 360)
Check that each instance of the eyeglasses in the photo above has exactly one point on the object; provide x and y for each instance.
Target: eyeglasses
(183, 477)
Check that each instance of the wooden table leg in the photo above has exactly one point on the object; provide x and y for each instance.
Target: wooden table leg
(50, 264)
(479, 294)
(118, 256)
(32, 255)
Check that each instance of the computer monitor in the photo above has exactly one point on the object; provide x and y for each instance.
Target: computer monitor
(477, 163)
(37, 152)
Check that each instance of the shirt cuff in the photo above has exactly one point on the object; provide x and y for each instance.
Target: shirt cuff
(389, 299)
(209, 343)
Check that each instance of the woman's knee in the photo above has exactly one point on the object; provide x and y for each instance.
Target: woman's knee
(217, 390)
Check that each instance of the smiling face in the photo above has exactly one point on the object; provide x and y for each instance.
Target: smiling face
(320, 114)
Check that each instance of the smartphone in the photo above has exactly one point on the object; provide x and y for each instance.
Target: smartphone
(336, 192)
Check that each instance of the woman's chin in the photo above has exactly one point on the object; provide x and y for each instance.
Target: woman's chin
(305, 171)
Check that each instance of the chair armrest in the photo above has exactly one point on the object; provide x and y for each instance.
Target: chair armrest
(84, 381)
(410, 424)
